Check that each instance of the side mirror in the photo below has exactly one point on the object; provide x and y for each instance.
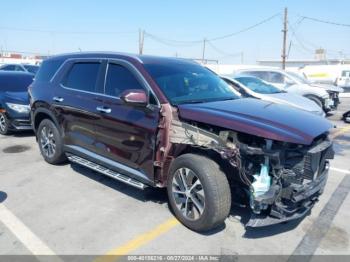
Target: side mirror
(135, 96)
(288, 81)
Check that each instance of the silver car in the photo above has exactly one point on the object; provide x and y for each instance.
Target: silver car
(327, 98)
(255, 87)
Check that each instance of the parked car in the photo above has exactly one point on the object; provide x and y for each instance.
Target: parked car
(166, 122)
(332, 90)
(346, 117)
(293, 83)
(14, 102)
(31, 69)
(344, 80)
(338, 75)
(249, 86)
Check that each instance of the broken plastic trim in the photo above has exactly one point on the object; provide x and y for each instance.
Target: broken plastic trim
(303, 198)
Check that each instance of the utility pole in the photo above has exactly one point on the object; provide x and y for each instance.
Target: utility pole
(203, 55)
(141, 40)
(242, 57)
(285, 30)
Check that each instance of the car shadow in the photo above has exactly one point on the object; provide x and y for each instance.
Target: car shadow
(243, 214)
(26, 133)
(157, 195)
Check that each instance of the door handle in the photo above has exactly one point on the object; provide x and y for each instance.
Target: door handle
(58, 99)
(103, 109)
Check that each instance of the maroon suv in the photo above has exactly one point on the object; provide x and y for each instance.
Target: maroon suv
(165, 122)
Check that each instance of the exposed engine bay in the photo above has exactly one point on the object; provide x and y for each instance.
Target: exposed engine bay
(281, 180)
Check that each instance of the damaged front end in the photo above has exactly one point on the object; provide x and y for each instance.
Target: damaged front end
(297, 176)
(282, 180)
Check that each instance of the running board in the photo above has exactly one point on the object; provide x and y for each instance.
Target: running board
(106, 171)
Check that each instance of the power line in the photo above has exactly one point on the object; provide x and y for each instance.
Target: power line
(173, 42)
(303, 43)
(246, 29)
(298, 39)
(223, 52)
(65, 32)
(325, 21)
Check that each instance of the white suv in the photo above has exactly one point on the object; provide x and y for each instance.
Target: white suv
(294, 83)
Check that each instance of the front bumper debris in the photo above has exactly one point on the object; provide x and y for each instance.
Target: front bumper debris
(294, 197)
(302, 201)
(333, 101)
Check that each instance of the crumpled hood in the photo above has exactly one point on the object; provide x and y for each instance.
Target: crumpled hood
(294, 100)
(17, 97)
(260, 118)
(305, 88)
(331, 88)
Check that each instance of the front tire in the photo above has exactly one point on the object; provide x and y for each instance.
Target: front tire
(4, 125)
(50, 143)
(199, 192)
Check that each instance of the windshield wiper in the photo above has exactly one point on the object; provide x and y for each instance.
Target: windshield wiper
(191, 102)
(205, 100)
(226, 99)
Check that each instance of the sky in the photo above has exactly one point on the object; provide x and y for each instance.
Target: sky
(176, 28)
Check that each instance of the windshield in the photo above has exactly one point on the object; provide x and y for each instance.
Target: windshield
(257, 85)
(301, 79)
(189, 83)
(31, 68)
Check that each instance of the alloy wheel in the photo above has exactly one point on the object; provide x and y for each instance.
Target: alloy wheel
(47, 142)
(2, 122)
(188, 193)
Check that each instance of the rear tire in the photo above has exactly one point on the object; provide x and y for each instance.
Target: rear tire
(50, 143)
(4, 125)
(203, 202)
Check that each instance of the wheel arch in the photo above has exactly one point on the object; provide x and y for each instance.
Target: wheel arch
(180, 149)
(314, 97)
(42, 113)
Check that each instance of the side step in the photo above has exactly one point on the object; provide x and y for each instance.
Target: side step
(106, 171)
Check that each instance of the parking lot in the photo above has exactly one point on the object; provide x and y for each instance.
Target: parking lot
(71, 210)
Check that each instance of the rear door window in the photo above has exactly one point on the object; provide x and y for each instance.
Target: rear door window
(47, 70)
(120, 79)
(83, 76)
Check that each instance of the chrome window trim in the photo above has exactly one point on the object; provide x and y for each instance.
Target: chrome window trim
(77, 60)
(133, 70)
(57, 71)
(108, 60)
